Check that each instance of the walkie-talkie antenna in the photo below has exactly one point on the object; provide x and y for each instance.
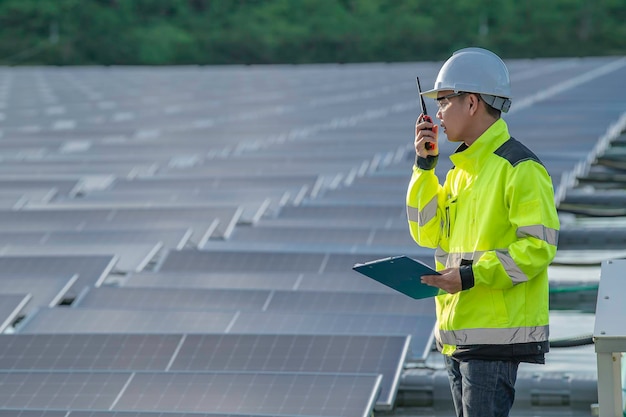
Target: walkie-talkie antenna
(425, 117)
(422, 102)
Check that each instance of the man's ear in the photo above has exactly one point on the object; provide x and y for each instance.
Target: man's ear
(474, 102)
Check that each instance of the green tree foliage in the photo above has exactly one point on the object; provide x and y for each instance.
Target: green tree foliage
(159, 32)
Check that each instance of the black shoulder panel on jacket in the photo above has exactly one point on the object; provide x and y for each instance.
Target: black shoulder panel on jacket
(515, 152)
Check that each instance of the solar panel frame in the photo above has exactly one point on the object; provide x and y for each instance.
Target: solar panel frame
(11, 305)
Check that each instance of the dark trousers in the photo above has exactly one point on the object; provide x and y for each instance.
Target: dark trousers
(482, 388)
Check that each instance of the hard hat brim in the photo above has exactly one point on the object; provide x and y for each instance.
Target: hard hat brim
(431, 93)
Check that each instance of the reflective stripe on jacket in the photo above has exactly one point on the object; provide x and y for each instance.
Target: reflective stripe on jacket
(495, 213)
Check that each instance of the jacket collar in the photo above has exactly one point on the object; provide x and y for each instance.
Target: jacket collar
(470, 158)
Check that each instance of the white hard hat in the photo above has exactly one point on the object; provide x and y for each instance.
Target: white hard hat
(475, 70)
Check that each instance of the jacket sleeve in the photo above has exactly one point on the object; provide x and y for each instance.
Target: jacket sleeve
(424, 207)
(534, 221)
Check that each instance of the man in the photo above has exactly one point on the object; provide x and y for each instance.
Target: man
(494, 226)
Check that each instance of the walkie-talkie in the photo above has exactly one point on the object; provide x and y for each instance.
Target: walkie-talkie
(426, 117)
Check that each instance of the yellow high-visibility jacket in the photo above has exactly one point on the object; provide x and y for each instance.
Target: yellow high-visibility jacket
(494, 218)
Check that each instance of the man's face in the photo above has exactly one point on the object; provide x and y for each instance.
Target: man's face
(451, 112)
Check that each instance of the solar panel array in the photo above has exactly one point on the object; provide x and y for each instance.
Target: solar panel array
(179, 241)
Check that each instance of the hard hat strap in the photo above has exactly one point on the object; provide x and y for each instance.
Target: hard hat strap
(498, 103)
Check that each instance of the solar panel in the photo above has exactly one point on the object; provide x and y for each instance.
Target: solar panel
(211, 353)
(336, 281)
(192, 260)
(60, 390)
(348, 302)
(112, 352)
(90, 269)
(22, 238)
(237, 393)
(175, 238)
(391, 222)
(175, 279)
(173, 299)
(347, 211)
(10, 201)
(130, 257)
(49, 217)
(147, 414)
(33, 413)
(46, 168)
(298, 353)
(206, 183)
(419, 327)
(340, 281)
(84, 320)
(255, 261)
(113, 122)
(11, 306)
(252, 205)
(88, 320)
(64, 186)
(227, 215)
(366, 235)
(301, 235)
(330, 246)
(14, 199)
(182, 195)
(250, 300)
(45, 290)
(268, 169)
(249, 393)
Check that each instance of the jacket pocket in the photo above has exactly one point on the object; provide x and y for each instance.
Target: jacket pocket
(450, 208)
(501, 313)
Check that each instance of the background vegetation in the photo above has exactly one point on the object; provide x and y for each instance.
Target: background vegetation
(156, 32)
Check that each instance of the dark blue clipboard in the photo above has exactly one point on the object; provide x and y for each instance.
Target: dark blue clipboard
(402, 274)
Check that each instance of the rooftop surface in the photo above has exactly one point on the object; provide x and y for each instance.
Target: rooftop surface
(178, 241)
